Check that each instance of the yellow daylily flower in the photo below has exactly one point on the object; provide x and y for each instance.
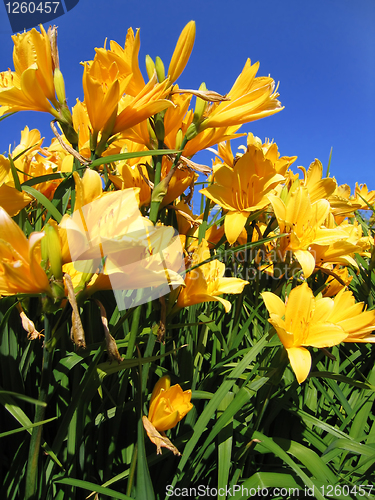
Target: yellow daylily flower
(353, 318)
(243, 188)
(81, 124)
(343, 204)
(333, 286)
(125, 60)
(182, 51)
(31, 85)
(101, 99)
(108, 235)
(317, 186)
(305, 320)
(11, 199)
(133, 173)
(168, 405)
(271, 152)
(251, 98)
(20, 269)
(364, 196)
(342, 252)
(151, 100)
(206, 282)
(303, 221)
(300, 322)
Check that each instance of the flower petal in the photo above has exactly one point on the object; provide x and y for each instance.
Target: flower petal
(300, 360)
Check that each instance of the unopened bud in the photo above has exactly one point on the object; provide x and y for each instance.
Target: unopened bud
(160, 191)
(59, 83)
(151, 131)
(54, 251)
(200, 106)
(159, 127)
(192, 131)
(150, 67)
(160, 70)
(179, 137)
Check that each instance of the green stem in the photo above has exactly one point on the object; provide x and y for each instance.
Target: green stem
(133, 332)
(132, 470)
(36, 435)
(154, 207)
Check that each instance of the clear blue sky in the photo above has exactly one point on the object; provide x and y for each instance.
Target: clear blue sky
(321, 52)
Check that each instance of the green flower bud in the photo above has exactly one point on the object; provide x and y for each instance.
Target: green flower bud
(150, 67)
(159, 127)
(160, 70)
(59, 83)
(54, 251)
(192, 131)
(200, 106)
(179, 137)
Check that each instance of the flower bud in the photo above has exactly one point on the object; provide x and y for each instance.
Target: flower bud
(182, 51)
(159, 127)
(150, 67)
(200, 106)
(160, 70)
(59, 83)
(192, 131)
(54, 251)
(179, 137)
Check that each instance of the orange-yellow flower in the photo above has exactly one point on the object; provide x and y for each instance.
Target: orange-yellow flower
(31, 85)
(124, 61)
(251, 98)
(20, 269)
(305, 320)
(243, 188)
(206, 282)
(303, 221)
(168, 405)
(101, 98)
(300, 322)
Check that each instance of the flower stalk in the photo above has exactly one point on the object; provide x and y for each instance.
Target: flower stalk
(36, 435)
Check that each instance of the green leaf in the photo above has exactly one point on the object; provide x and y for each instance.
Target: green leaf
(43, 200)
(273, 447)
(145, 490)
(20, 429)
(45, 178)
(86, 485)
(135, 154)
(17, 184)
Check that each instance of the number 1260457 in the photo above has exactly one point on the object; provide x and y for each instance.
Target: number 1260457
(31, 7)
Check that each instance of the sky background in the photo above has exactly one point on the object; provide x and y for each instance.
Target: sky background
(322, 53)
